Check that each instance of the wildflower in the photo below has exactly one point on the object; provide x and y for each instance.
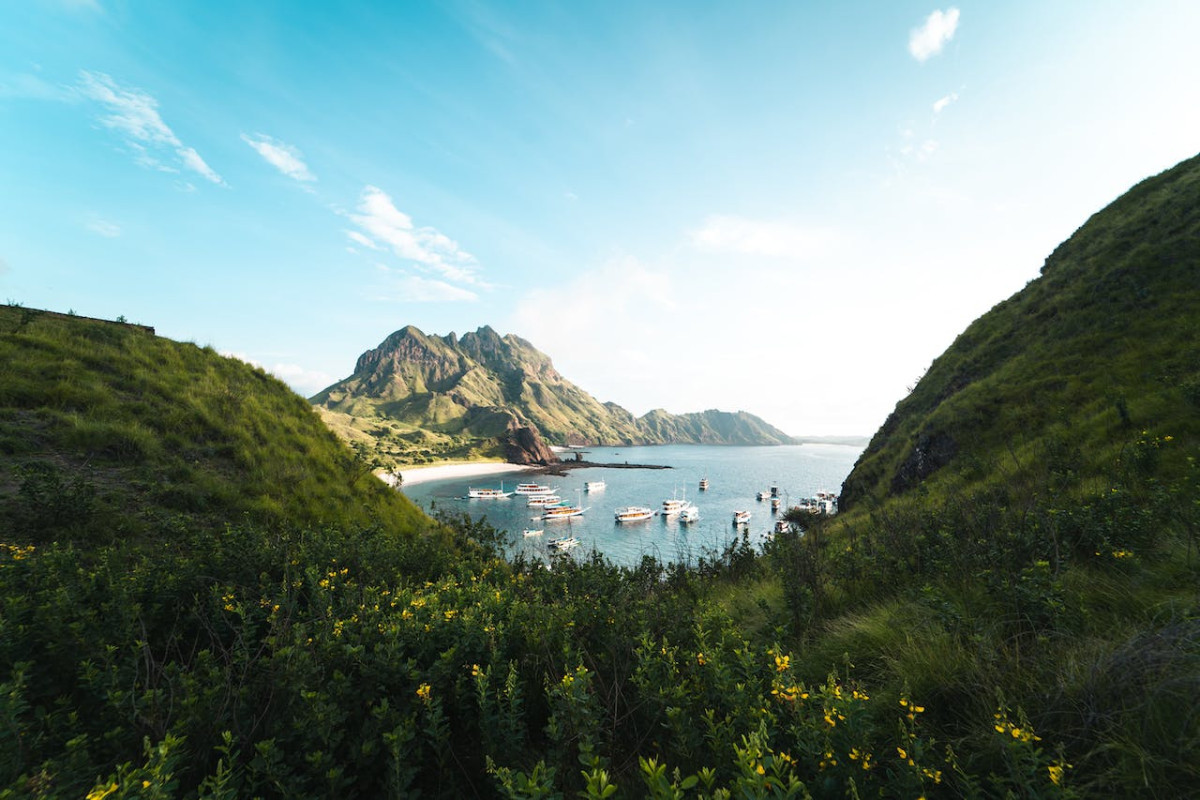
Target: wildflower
(700, 659)
(759, 769)
(475, 670)
(903, 753)
(782, 663)
(423, 692)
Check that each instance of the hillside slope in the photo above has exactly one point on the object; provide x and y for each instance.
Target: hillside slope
(1097, 358)
(109, 430)
(416, 397)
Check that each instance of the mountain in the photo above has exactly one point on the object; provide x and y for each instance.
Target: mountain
(108, 430)
(1093, 366)
(417, 396)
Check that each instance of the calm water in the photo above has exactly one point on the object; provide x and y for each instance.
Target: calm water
(735, 475)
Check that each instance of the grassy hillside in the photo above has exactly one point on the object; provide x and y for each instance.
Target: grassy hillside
(1092, 365)
(1024, 529)
(109, 430)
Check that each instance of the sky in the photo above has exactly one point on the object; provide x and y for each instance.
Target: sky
(788, 208)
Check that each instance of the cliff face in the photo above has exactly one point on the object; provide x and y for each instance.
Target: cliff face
(448, 392)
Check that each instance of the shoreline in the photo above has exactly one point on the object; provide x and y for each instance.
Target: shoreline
(411, 476)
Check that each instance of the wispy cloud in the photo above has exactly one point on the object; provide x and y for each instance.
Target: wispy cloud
(770, 238)
(940, 105)
(403, 287)
(929, 39)
(134, 114)
(282, 156)
(379, 221)
(102, 227)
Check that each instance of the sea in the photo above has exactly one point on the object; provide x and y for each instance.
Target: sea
(735, 477)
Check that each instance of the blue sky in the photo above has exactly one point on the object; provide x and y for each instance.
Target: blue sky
(787, 208)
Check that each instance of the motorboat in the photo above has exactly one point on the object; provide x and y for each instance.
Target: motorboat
(689, 513)
(741, 517)
(594, 486)
(488, 494)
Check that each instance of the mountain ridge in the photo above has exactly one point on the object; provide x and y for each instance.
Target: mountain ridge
(421, 396)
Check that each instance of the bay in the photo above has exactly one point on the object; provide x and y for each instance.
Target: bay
(735, 474)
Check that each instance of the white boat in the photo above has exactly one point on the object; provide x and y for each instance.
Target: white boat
(562, 543)
(634, 513)
(542, 500)
(563, 512)
(528, 532)
(689, 513)
(704, 484)
(488, 494)
(775, 503)
(741, 517)
(763, 495)
(593, 486)
(782, 526)
(534, 488)
(672, 507)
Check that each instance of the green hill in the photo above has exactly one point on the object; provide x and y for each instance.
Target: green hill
(1092, 365)
(418, 397)
(109, 430)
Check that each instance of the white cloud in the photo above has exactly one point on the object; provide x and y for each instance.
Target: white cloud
(303, 380)
(415, 289)
(134, 114)
(380, 221)
(929, 39)
(363, 240)
(284, 157)
(770, 238)
(940, 105)
(102, 227)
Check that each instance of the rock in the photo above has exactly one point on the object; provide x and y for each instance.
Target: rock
(523, 445)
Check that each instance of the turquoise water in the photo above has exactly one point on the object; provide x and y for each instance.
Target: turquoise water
(735, 474)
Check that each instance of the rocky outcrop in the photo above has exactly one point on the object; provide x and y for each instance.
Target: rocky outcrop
(523, 445)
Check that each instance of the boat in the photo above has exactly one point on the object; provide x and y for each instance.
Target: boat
(741, 517)
(689, 513)
(634, 513)
(562, 512)
(782, 526)
(542, 500)
(528, 532)
(562, 542)
(534, 488)
(775, 503)
(672, 507)
(488, 494)
(593, 486)
(704, 484)
(763, 495)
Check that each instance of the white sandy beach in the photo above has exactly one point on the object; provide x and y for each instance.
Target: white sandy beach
(435, 472)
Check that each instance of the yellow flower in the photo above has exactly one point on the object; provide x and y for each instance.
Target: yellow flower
(475, 670)
(782, 663)
(423, 691)
(1056, 773)
(700, 659)
(903, 753)
(759, 769)
(101, 792)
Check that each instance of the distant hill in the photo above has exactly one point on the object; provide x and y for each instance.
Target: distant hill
(1093, 366)
(417, 396)
(107, 429)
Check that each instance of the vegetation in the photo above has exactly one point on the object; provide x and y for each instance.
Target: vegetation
(1008, 607)
(418, 398)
